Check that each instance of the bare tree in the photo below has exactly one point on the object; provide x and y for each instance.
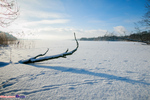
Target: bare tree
(146, 18)
(63, 55)
(141, 36)
(9, 11)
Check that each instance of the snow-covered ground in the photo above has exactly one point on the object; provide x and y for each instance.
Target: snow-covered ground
(97, 71)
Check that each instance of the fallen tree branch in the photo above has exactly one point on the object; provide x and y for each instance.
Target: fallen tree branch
(40, 54)
(63, 55)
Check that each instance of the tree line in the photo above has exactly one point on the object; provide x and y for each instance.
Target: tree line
(143, 36)
(6, 38)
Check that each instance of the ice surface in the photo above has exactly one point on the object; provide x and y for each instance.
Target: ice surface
(97, 71)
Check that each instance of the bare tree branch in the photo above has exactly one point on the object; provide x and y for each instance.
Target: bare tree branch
(9, 11)
(63, 55)
(40, 54)
(146, 17)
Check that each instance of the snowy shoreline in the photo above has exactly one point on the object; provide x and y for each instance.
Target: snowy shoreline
(97, 71)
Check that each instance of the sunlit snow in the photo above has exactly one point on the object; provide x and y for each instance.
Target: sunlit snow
(96, 71)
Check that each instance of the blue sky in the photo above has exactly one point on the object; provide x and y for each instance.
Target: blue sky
(59, 19)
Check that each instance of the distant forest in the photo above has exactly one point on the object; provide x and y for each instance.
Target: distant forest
(137, 37)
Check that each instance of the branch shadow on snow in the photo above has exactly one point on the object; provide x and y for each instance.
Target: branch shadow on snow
(86, 72)
(2, 64)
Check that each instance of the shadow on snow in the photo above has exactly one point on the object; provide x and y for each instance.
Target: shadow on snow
(86, 72)
(69, 70)
(2, 64)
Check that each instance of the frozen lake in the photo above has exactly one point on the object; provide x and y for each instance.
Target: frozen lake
(96, 71)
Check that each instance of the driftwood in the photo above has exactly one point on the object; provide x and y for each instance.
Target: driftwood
(39, 59)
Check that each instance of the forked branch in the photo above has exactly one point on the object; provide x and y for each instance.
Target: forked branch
(63, 55)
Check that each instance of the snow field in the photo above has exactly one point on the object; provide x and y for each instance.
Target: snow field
(97, 71)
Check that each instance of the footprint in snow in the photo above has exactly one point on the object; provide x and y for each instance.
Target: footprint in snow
(91, 82)
(125, 60)
(71, 88)
(108, 82)
(8, 83)
(129, 72)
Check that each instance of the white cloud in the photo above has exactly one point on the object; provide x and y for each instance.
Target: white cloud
(42, 22)
(66, 33)
(120, 29)
(50, 32)
(40, 4)
(48, 20)
(40, 9)
(94, 33)
(42, 14)
(35, 14)
(131, 21)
